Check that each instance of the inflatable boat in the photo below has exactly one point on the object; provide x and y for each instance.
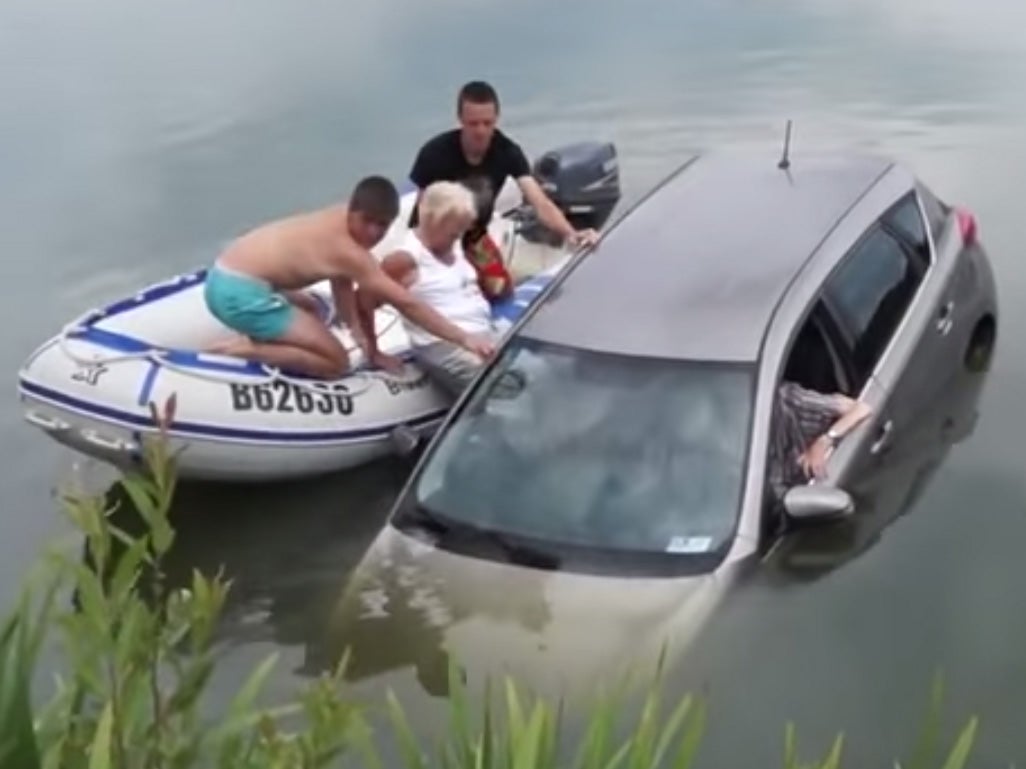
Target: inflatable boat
(91, 386)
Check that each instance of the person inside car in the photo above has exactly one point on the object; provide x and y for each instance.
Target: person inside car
(808, 425)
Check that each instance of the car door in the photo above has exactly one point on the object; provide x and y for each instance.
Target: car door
(822, 359)
(923, 364)
(869, 318)
(892, 301)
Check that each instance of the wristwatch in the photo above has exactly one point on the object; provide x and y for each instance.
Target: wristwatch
(834, 437)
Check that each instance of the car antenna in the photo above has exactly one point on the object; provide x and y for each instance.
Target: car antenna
(785, 159)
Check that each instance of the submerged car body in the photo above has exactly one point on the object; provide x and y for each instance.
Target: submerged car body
(602, 485)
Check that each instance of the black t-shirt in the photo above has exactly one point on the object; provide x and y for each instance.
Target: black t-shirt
(442, 159)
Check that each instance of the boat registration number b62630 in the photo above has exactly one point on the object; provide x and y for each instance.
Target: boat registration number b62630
(287, 398)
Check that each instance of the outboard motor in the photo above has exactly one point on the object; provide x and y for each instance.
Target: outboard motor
(583, 179)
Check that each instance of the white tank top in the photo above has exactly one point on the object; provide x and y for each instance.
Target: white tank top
(449, 289)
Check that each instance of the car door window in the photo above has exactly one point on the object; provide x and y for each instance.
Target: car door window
(814, 361)
(870, 293)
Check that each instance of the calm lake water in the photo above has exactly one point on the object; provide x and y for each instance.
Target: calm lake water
(137, 138)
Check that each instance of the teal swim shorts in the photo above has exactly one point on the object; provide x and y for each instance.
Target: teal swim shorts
(246, 304)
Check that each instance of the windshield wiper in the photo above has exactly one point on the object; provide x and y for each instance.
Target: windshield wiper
(418, 517)
(421, 519)
(516, 552)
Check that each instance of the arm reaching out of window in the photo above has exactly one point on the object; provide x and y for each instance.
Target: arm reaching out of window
(851, 413)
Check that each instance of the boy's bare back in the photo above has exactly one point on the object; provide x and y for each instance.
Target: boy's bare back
(300, 250)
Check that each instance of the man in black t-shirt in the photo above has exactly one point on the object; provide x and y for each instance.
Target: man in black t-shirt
(482, 157)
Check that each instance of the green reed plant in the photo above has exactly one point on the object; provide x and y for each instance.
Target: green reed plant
(137, 657)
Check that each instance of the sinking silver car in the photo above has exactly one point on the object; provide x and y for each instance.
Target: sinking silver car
(602, 485)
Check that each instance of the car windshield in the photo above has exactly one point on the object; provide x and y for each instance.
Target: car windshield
(596, 450)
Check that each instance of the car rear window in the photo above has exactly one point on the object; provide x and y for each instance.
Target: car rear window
(936, 211)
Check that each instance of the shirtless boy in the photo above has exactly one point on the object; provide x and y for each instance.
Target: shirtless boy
(254, 286)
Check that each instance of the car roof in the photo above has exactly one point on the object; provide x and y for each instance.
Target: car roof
(695, 270)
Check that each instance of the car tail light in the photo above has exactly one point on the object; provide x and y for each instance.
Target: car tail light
(967, 226)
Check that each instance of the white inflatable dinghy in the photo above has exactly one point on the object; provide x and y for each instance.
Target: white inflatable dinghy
(91, 386)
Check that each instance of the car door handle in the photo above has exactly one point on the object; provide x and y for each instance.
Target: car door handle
(883, 439)
(946, 318)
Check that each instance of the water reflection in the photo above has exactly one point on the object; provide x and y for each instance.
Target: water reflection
(559, 634)
(401, 613)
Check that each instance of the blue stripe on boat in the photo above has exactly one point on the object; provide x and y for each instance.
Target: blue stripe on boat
(147, 384)
(148, 295)
(199, 430)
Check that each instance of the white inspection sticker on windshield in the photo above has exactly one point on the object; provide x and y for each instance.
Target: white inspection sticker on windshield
(689, 545)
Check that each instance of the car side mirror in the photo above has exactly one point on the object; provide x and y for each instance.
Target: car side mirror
(818, 503)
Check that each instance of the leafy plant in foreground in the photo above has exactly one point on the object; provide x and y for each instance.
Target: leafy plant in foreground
(139, 659)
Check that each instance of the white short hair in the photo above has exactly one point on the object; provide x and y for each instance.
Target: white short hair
(443, 199)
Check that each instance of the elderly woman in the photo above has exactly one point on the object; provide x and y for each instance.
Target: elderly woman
(431, 264)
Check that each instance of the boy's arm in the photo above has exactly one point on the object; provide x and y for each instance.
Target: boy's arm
(352, 306)
(351, 263)
(365, 306)
(344, 294)
(400, 267)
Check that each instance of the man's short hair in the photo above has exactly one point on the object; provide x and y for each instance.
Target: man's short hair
(477, 92)
(375, 197)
